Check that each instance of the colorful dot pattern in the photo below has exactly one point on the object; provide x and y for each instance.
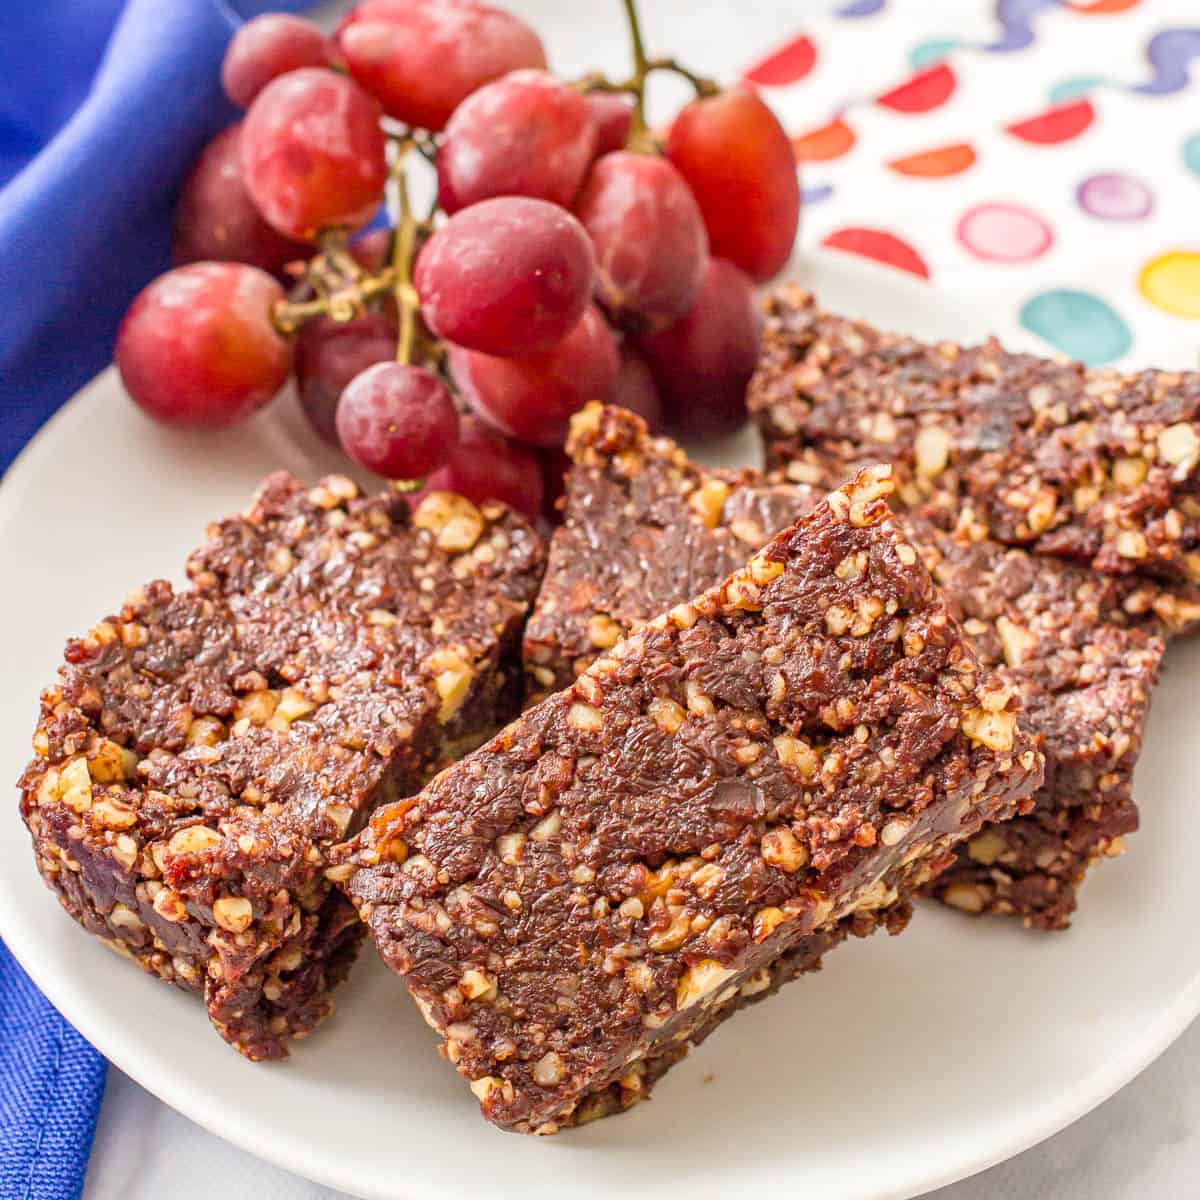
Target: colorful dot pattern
(1050, 201)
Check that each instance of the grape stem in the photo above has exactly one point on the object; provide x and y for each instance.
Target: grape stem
(340, 303)
(643, 68)
(639, 66)
(337, 286)
(403, 244)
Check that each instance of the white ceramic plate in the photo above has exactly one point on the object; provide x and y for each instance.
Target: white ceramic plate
(907, 1063)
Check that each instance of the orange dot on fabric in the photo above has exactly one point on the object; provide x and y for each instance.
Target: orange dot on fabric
(821, 145)
(1058, 124)
(936, 164)
(789, 64)
(1095, 8)
(879, 245)
(1172, 282)
(921, 92)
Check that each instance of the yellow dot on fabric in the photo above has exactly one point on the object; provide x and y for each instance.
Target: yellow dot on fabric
(1172, 282)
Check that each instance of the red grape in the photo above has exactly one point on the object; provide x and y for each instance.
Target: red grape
(216, 220)
(331, 353)
(532, 397)
(506, 276)
(734, 153)
(636, 390)
(269, 46)
(197, 346)
(397, 420)
(703, 363)
(613, 115)
(313, 153)
(371, 250)
(526, 134)
(485, 465)
(651, 248)
(422, 58)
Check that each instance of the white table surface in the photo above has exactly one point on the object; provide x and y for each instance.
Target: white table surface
(1144, 1142)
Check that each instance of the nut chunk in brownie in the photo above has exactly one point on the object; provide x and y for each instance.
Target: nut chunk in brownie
(643, 528)
(609, 876)
(204, 748)
(1092, 465)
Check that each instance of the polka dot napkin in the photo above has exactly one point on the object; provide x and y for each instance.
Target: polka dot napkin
(1044, 153)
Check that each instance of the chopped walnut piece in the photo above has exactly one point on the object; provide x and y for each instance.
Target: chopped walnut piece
(708, 500)
(455, 522)
(549, 1070)
(932, 449)
(666, 714)
(193, 840)
(233, 913)
(989, 728)
(782, 849)
(699, 980)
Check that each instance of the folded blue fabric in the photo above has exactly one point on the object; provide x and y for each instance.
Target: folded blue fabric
(51, 1082)
(103, 106)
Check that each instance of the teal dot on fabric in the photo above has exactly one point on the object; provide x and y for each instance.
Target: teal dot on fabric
(1069, 89)
(1191, 154)
(925, 54)
(1078, 324)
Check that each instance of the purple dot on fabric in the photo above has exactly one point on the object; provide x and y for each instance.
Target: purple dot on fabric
(860, 8)
(1113, 196)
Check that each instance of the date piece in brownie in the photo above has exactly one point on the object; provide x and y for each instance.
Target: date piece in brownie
(204, 748)
(1082, 647)
(688, 822)
(1095, 466)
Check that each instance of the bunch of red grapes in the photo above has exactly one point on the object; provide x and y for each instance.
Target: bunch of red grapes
(571, 255)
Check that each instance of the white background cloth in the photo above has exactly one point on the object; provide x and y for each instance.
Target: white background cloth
(1145, 1142)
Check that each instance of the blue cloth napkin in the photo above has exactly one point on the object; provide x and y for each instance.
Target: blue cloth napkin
(103, 106)
(51, 1082)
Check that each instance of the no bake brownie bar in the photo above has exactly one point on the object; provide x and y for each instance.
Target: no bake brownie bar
(644, 528)
(1084, 665)
(642, 523)
(682, 827)
(203, 748)
(1094, 466)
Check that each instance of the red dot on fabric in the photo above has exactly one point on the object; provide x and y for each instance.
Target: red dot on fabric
(789, 64)
(921, 92)
(936, 164)
(1055, 125)
(879, 245)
